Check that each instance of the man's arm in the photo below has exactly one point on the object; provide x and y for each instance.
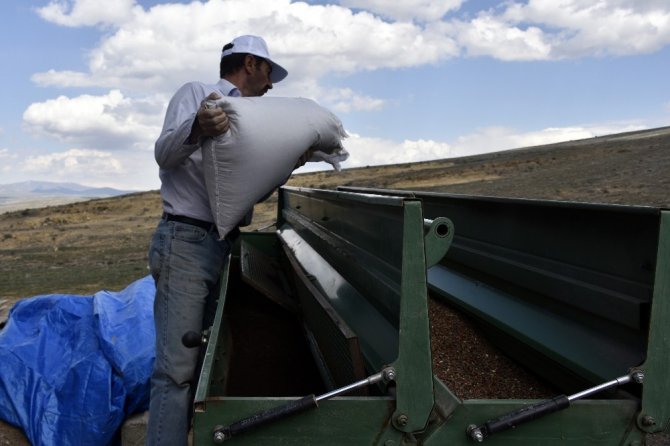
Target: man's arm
(186, 122)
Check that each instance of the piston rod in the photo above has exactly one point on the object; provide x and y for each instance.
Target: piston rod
(535, 411)
(223, 433)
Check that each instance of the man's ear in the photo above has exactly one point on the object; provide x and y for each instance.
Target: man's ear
(249, 63)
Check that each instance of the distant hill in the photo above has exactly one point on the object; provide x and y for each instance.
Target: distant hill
(626, 168)
(34, 194)
(52, 189)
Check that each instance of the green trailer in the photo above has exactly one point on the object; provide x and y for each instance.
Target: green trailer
(322, 336)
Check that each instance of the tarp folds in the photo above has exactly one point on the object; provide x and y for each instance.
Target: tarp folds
(72, 368)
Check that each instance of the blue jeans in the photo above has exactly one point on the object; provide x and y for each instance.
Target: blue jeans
(186, 262)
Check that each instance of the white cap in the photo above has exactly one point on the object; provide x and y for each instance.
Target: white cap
(256, 45)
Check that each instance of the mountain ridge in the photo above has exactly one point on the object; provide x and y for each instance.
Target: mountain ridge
(32, 187)
(35, 194)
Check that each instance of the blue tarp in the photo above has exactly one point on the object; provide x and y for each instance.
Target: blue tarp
(72, 368)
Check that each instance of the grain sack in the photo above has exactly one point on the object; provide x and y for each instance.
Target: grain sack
(266, 138)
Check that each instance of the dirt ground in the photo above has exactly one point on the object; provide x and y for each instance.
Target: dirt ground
(84, 247)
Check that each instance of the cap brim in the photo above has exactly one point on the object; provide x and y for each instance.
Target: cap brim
(278, 72)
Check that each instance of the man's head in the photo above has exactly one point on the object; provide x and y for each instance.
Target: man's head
(246, 63)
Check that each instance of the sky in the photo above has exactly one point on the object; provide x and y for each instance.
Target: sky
(85, 83)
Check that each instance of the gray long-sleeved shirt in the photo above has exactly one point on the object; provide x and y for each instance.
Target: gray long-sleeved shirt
(183, 189)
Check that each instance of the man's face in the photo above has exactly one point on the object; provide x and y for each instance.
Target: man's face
(258, 81)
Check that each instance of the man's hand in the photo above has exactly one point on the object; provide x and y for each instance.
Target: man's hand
(209, 121)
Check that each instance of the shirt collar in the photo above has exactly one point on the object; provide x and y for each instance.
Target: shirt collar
(227, 88)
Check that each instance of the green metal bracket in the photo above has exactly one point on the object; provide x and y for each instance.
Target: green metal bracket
(415, 400)
(655, 413)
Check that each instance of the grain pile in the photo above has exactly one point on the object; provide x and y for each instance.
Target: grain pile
(471, 366)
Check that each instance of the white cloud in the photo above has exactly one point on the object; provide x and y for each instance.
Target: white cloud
(344, 100)
(378, 151)
(110, 121)
(64, 79)
(310, 40)
(429, 10)
(366, 151)
(541, 29)
(86, 12)
(97, 168)
(579, 28)
(550, 30)
(489, 36)
(73, 161)
(150, 50)
(142, 51)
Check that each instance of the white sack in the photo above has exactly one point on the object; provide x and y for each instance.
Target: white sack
(266, 138)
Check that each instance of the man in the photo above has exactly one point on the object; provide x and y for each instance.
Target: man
(186, 256)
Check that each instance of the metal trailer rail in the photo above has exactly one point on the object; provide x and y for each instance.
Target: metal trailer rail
(352, 268)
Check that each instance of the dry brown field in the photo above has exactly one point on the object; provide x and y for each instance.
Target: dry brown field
(81, 248)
